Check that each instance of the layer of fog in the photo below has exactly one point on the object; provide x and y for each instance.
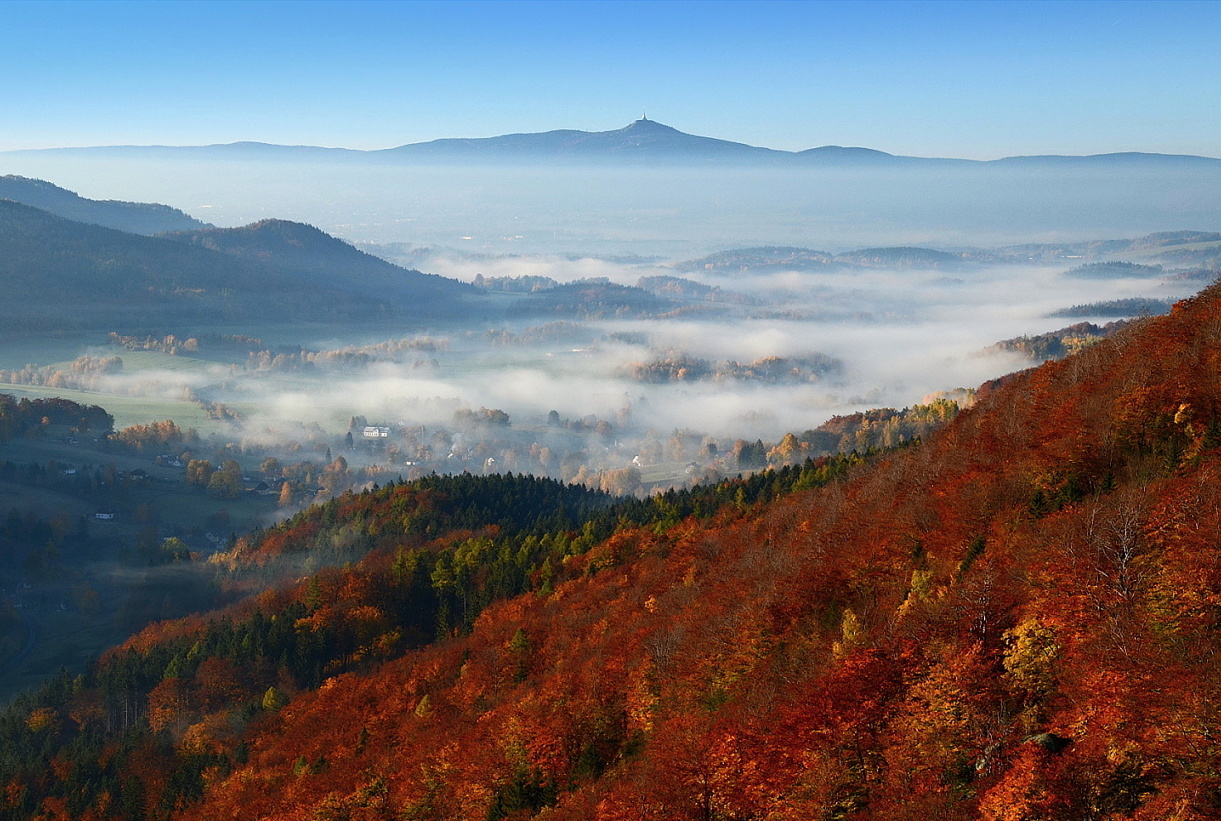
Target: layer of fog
(901, 336)
(657, 211)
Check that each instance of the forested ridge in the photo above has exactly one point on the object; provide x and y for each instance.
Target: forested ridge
(1015, 618)
(133, 217)
(387, 570)
(57, 274)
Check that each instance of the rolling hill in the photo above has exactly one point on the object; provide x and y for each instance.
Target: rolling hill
(132, 217)
(60, 274)
(317, 258)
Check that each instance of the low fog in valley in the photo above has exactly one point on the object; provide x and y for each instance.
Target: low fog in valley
(652, 320)
(630, 326)
(577, 390)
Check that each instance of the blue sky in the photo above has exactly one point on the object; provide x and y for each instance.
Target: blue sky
(966, 79)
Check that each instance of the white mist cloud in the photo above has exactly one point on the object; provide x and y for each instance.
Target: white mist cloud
(901, 335)
(160, 384)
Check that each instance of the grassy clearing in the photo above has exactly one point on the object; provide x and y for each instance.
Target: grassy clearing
(663, 474)
(138, 361)
(127, 410)
(134, 361)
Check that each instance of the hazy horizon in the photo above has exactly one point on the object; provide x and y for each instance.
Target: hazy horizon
(967, 79)
(673, 212)
(105, 151)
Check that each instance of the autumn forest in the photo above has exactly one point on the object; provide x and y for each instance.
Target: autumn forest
(1013, 617)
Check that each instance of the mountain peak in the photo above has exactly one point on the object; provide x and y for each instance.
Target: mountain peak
(646, 126)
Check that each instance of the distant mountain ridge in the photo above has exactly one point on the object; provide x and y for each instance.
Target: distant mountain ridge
(1178, 247)
(132, 217)
(642, 141)
(643, 137)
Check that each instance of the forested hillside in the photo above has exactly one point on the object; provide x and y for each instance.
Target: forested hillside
(1015, 619)
(316, 258)
(132, 217)
(57, 274)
